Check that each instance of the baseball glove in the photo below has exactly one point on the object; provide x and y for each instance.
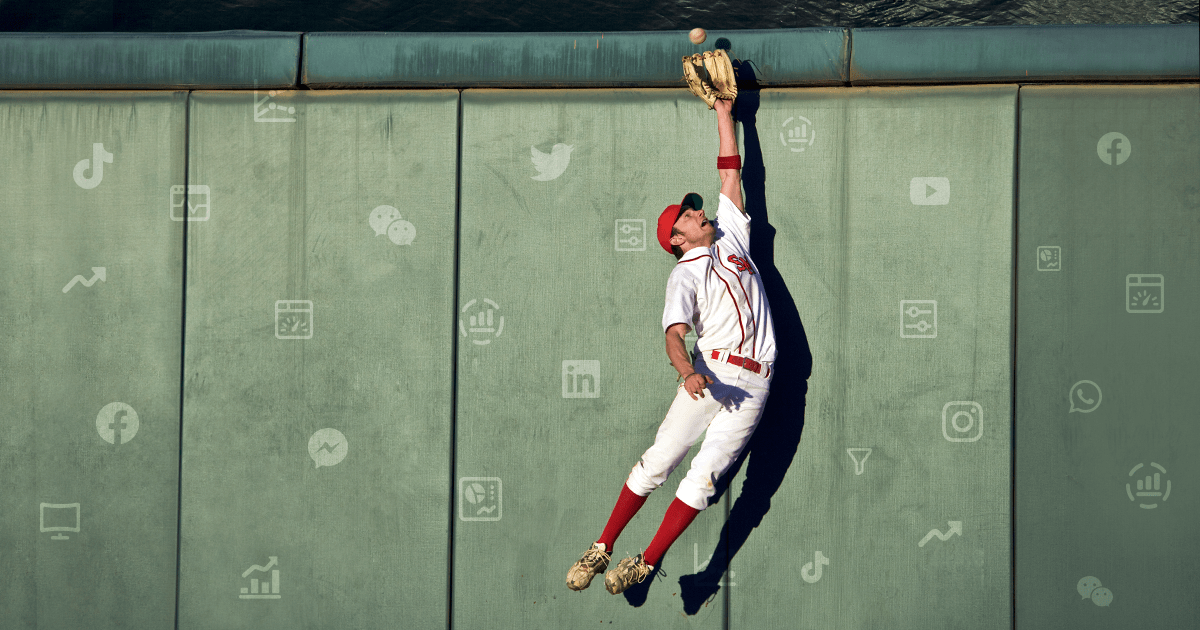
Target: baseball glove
(709, 75)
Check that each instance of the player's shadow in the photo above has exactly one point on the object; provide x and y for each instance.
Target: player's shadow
(773, 447)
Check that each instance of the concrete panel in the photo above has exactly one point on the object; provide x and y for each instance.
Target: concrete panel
(558, 283)
(90, 291)
(893, 510)
(1107, 277)
(1075, 52)
(223, 59)
(319, 335)
(813, 56)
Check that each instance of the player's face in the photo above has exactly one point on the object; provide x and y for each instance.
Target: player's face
(695, 228)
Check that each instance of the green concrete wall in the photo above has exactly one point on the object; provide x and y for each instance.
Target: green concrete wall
(373, 315)
(857, 254)
(318, 360)
(90, 290)
(1107, 273)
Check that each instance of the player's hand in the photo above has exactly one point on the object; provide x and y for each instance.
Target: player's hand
(695, 384)
(723, 106)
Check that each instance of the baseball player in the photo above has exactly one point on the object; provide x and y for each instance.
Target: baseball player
(714, 289)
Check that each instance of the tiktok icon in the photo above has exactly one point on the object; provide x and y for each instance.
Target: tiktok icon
(99, 158)
(807, 572)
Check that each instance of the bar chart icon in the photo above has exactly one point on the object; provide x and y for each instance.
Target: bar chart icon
(481, 324)
(265, 588)
(1149, 488)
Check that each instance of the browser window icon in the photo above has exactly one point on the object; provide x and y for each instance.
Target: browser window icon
(193, 206)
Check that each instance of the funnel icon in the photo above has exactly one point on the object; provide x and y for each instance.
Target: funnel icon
(859, 455)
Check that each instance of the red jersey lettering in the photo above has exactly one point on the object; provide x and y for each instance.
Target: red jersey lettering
(741, 263)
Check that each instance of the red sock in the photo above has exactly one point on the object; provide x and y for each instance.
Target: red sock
(628, 504)
(677, 519)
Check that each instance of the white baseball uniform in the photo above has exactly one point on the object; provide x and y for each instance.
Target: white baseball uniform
(717, 291)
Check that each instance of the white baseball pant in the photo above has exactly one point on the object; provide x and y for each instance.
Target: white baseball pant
(729, 412)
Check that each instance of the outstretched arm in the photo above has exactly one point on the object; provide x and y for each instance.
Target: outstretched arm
(693, 382)
(731, 178)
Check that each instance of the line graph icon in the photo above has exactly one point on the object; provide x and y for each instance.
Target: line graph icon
(98, 273)
(262, 589)
(955, 528)
(268, 111)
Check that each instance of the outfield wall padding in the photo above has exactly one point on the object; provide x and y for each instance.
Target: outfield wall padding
(777, 57)
(91, 271)
(1106, 435)
(105, 61)
(311, 333)
(383, 358)
(992, 54)
(811, 56)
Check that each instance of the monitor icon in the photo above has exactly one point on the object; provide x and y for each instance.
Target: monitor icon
(59, 517)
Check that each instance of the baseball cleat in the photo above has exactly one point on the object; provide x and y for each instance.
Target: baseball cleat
(629, 571)
(593, 563)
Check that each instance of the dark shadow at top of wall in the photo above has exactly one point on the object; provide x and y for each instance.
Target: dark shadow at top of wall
(417, 16)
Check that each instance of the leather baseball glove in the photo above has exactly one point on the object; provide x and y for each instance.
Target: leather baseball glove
(710, 76)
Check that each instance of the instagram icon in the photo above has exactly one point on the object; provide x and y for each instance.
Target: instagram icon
(962, 421)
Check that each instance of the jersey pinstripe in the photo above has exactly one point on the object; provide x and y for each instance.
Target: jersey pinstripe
(718, 292)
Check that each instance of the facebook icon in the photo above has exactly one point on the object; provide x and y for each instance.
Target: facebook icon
(117, 423)
(1113, 148)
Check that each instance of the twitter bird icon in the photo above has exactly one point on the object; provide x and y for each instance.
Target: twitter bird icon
(551, 165)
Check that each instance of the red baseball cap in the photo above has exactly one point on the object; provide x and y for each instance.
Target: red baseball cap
(670, 215)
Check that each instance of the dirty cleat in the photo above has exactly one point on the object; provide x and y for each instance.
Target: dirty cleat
(593, 563)
(629, 571)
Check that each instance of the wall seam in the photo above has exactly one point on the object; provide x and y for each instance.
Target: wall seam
(187, 133)
(848, 58)
(454, 369)
(1012, 436)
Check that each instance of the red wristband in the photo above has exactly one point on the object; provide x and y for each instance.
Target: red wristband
(729, 161)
